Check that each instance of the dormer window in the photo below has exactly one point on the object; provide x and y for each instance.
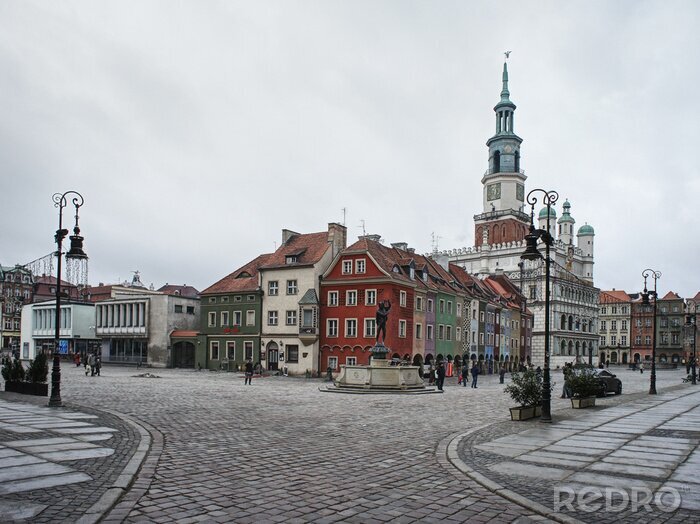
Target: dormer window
(291, 259)
(347, 267)
(412, 273)
(425, 275)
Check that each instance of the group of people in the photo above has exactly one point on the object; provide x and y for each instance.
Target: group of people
(92, 363)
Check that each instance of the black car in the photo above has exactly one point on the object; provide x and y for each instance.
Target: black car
(609, 383)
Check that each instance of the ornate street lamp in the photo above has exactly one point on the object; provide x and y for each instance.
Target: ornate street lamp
(75, 252)
(532, 253)
(645, 301)
(691, 326)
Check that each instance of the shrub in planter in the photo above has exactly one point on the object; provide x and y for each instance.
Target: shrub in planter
(13, 371)
(38, 369)
(526, 390)
(583, 382)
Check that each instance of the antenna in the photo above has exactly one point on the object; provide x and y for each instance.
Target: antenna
(435, 242)
(364, 231)
(345, 210)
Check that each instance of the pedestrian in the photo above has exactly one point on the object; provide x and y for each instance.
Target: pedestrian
(607, 364)
(687, 367)
(248, 372)
(89, 364)
(440, 375)
(97, 366)
(566, 389)
(76, 359)
(538, 373)
(641, 368)
(502, 373)
(475, 374)
(465, 374)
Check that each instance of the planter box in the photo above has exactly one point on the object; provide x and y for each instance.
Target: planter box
(580, 403)
(523, 412)
(28, 388)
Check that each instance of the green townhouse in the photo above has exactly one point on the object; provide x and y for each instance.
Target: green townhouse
(231, 312)
(448, 297)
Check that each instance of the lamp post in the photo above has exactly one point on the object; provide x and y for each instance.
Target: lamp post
(690, 324)
(549, 198)
(645, 301)
(75, 252)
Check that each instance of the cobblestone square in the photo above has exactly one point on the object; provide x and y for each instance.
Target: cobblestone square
(202, 446)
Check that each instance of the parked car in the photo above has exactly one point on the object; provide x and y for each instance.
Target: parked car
(609, 383)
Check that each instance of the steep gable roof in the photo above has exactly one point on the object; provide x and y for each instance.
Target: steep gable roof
(243, 279)
(671, 295)
(182, 291)
(307, 248)
(386, 258)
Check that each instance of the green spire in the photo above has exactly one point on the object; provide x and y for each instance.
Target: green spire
(505, 94)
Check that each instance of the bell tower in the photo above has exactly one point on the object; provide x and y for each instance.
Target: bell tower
(504, 181)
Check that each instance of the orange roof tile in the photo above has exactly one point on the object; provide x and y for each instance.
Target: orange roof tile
(309, 248)
(243, 279)
(614, 296)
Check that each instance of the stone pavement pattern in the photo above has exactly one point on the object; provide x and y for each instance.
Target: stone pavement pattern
(54, 463)
(281, 451)
(650, 444)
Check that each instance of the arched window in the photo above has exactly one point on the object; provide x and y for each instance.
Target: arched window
(497, 162)
(563, 348)
(563, 322)
(503, 234)
(571, 323)
(517, 161)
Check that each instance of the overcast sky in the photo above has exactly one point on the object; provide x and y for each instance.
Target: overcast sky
(196, 130)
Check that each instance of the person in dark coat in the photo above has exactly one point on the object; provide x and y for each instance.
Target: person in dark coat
(465, 374)
(248, 373)
(502, 373)
(440, 375)
(475, 374)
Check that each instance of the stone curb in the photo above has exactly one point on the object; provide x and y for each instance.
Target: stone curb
(451, 443)
(110, 498)
(447, 455)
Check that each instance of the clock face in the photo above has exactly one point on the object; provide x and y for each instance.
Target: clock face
(520, 192)
(508, 149)
(493, 191)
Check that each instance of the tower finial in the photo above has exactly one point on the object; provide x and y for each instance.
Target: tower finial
(505, 94)
(507, 53)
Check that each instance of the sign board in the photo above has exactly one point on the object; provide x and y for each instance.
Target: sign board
(63, 347)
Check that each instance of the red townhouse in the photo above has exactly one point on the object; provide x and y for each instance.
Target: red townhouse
(362, 276)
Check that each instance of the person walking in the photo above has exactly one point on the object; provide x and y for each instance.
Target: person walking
(641, 368)
(440, 375)
(90, 364)
(98, 365)
(465, 374)
(248, 373)
(502, 373)
(475, 374)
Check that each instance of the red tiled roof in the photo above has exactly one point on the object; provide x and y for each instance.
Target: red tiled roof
(309, 248)
(243, 279)
(385, 257)
(671, 295)
(614, 296)
(51, 280)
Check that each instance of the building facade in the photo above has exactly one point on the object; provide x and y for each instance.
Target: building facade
(16, 290)
(135, 327)
(615, 327)
(77, 330)
(231, 313)
(291, 309)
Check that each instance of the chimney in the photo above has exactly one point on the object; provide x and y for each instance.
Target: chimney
(288, 234)
(403, 246)
(337, 237)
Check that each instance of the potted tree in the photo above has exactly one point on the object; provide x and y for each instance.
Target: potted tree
(526, 391)
(584, 385)
(29, 382)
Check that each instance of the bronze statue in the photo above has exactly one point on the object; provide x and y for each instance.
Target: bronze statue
(382, 315)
